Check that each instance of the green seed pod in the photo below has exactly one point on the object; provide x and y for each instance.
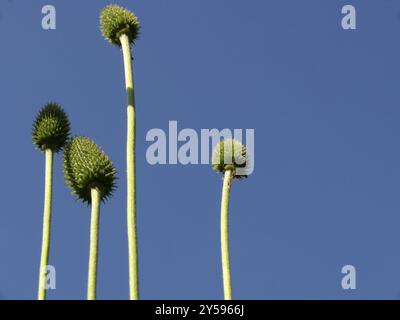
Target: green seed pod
(228, 155)
(115, 21)
(86, 166)
(51, 128)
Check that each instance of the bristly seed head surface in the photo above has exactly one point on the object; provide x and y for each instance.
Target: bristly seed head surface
(228, 155)
(86, 166)
(115, 21)
(51, 128)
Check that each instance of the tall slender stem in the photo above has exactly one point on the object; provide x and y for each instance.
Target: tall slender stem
(226, 269)
(131, 171)
(44, 258)
(94, 244)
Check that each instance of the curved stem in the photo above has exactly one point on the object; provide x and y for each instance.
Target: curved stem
(226, 269)
(44, 258)
(94, 244)
(131, 171)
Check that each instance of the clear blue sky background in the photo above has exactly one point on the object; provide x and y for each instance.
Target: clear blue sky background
(324, 104)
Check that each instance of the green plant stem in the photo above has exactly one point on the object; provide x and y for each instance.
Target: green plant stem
(131, 171)
(44, 258)
(94, 244)
(226, 269)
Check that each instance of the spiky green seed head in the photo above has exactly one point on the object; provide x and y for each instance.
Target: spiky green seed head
(86, 166)
(229, 154)
(51, 128)
(115, 21)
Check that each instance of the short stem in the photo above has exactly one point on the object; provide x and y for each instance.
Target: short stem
(94, 244)
(130, 168)
(226, 270)
(44, 258)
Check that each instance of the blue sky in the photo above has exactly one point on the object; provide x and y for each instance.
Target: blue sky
(324, 104)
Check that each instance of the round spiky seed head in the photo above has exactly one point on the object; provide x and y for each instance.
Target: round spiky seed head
(228, 155)
(86, 166)
(51, 128)
(115, 21)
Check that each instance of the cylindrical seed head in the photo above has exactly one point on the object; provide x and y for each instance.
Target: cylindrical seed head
(51, 128)
(115, 21)
(86, 166)
(228, 155)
